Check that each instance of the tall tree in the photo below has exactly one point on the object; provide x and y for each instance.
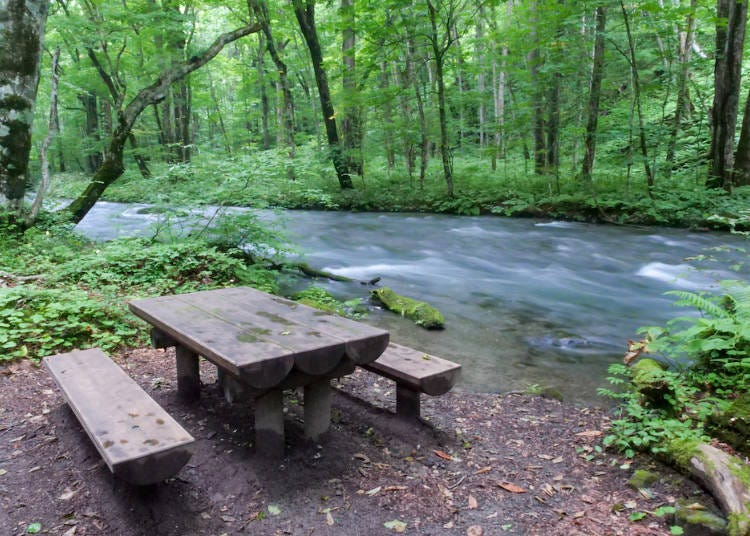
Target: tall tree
(304, 10)
(595, 92)
(351, 123)
(730, 40)
(22, 24)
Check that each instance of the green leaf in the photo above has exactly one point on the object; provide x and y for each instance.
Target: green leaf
(274, 510)
(676, 530)
(34, 528)
(637, 516)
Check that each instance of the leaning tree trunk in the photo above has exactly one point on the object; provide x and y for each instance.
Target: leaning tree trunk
(22, 24)
(305, 13)
(112, 167)
(742, 157)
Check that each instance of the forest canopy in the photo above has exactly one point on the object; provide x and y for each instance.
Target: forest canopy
(553, 97)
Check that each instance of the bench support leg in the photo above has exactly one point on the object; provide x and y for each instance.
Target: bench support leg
(407, 402)
(269, 424)
(188, 376)
(317, 409)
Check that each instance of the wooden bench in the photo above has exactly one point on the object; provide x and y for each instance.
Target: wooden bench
(138, 440)
(414, 372)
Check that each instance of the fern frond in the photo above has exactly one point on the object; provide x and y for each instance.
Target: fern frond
(705, 303)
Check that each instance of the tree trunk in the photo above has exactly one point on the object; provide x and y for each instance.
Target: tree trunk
(21, 35)
(305, 13)
(540, 158)
(439, 56)
(390, 153)
(742, 157)
(260, 9)
(730, 40)
(351, 123)
(94, 156)
(637, 97)
(265, 109)
(112, 167)
(597, 73)
(686, 46)
(51, 131)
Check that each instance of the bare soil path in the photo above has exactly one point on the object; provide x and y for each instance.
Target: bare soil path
(484, 465)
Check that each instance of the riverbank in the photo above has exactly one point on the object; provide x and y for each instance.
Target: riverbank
(484, 465)
(259, 180)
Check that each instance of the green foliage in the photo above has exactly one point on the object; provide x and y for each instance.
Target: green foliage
(35, 322)
(322, 299)
(710, 356)
(76, 297)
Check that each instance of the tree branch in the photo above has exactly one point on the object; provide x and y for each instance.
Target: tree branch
(156, 92)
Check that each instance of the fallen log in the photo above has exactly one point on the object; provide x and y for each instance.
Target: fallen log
(421, 313)
(725, 476)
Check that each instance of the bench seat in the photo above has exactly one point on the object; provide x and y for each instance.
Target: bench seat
(414, 372)
(138, 440)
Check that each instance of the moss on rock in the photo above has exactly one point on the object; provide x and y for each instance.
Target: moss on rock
(695, 521)
(642, 479)
(420, 312)
(733, 425)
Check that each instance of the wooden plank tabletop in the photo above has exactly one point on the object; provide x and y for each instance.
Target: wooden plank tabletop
(260, 337)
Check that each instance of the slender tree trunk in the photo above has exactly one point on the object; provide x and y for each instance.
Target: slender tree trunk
(481, 89)
(94, 156)
(390, 153)
(21, 36)
(637, 97)
(260, 9)
(304, 10)
(540, 158)
(265, 109)
(51, 131)
(742, 158)
(112, 167)
(730, 39)
(686, 47)
(597, 73)
(439, 56)
(219, 115)
(351, 123)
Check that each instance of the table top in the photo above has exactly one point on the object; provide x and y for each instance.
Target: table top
(260, 337)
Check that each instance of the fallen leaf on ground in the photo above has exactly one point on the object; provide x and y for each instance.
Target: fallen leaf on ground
(507, 486)
(329, 519)
(395, 525)
(67, 494)
(274, 510)
(70, 532)
(443, 455)
(483, 470)
(473, 505)
(374, 491)
(474, 530)
(394, 488)
(590, 433)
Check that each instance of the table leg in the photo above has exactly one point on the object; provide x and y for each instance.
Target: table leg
(317, 409)
(269, 423)
(188, 375)
(407, 402)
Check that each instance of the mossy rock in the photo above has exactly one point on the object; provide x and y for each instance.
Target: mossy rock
(698, 521)
(420, 312)
(648, 379)
(733, 426)
(643, 479)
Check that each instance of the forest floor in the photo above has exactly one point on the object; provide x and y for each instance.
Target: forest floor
(484, 464)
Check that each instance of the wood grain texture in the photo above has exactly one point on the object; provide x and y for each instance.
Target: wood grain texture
(139, 441)
(417, 370)
(259, 337)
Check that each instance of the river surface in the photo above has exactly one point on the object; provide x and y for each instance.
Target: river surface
(526, 302)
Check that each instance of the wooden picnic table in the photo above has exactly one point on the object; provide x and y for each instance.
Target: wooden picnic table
(262, 344)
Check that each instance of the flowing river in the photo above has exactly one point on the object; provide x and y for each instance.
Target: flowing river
(526, 302)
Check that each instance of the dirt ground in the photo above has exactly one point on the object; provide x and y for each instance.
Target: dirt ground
(481, 465)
